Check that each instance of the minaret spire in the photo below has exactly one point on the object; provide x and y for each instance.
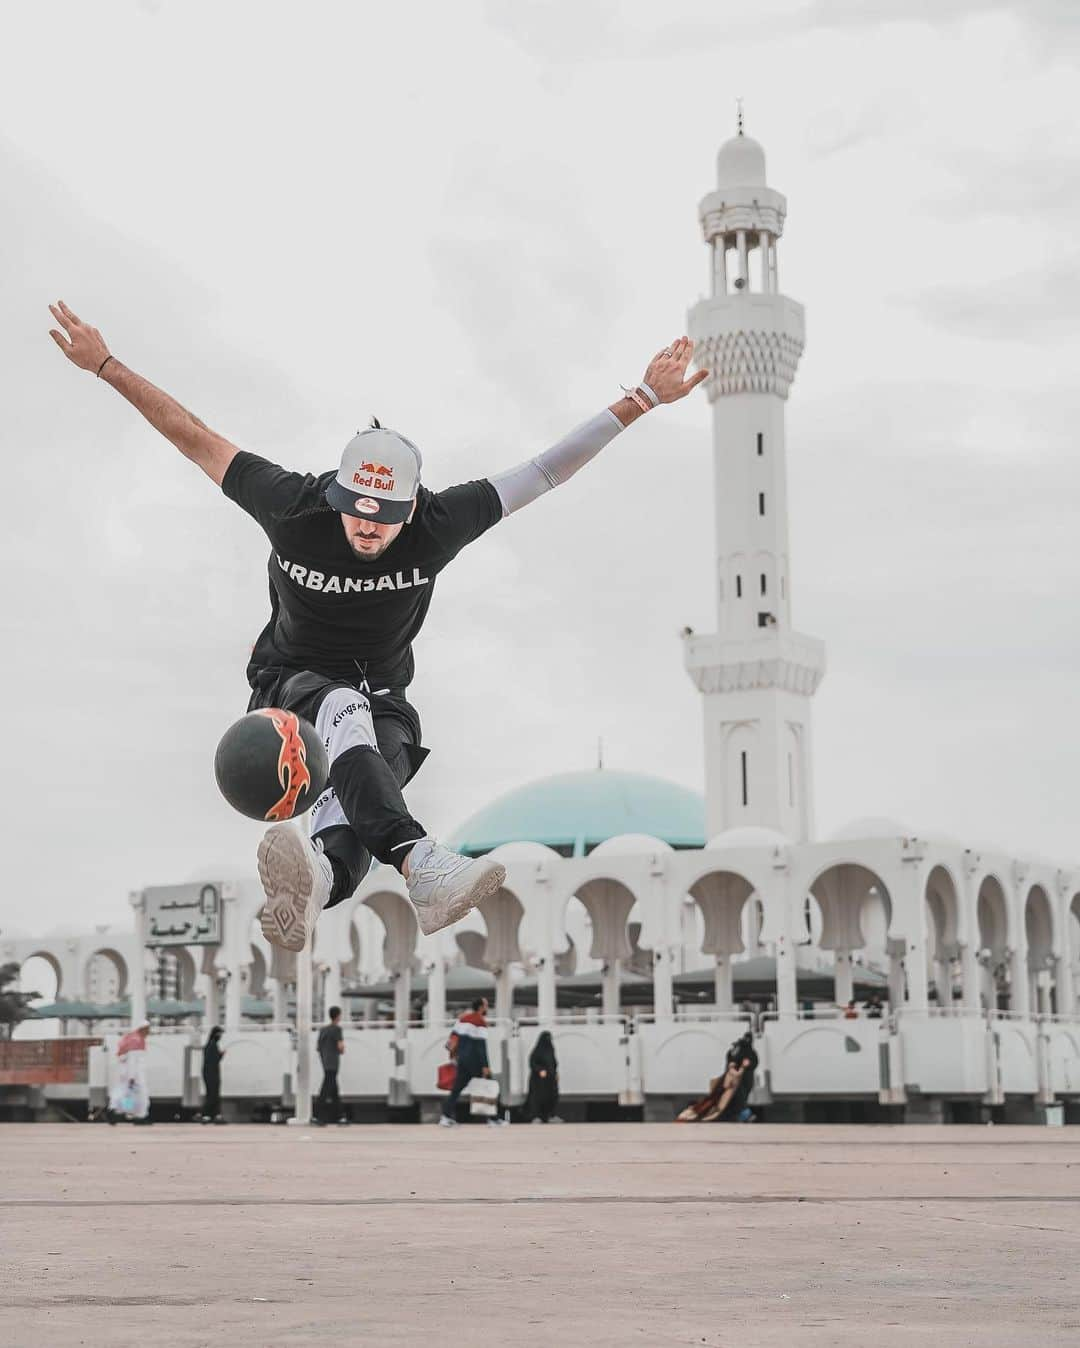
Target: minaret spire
(738, 117)
(757, 674)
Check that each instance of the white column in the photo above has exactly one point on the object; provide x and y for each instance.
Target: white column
(724, 984)
(787, 998)
(1066, 994)
(304, 1046)
(610, 1005)
(943, 983)
(545, 991)
(765, 253)
(744, 270)
(436, 997)
(1042, 992)
(720, 265)
(1019, 983)
(279, 997)
(503, 993)
(918, 985)
(843, 978)
(234, 988)
(775, 268)
(333, 985)
(212, 1013)
(663, 988)
(137, 899)
(402, 999)
(970, 977)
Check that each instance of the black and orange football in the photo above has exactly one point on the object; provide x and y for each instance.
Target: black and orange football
(271, 765)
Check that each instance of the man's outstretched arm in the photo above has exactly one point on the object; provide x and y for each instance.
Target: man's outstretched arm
(665, 379)
(85, 347)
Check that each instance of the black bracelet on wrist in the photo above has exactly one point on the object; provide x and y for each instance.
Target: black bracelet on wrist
(102, 366)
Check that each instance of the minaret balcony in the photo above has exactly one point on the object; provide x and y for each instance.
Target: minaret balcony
(729, 209)
(749, 342)
(782, 660)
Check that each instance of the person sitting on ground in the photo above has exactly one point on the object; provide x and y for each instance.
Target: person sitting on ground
(726, 1101)
(542, 1100)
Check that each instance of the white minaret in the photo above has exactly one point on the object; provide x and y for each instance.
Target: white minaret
(757, 675)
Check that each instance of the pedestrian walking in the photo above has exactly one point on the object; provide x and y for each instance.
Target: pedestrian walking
(331, 1045)
(130, 1097)
(468, 1042)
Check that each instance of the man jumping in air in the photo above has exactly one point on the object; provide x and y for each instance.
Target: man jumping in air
(353, 562)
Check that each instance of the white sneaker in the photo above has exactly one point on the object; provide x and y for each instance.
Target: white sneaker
(445, 1122)
(444, 886)
(498, 1123)
(297, 879)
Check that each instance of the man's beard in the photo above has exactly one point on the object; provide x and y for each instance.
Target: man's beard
(368, 554)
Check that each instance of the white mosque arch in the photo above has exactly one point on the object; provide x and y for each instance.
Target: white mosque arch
(399, 925)
(257, 973)
(942, 899)
(607, 902)
(105, 975)
(350, 965)
(993, 918)
(175, 972)
(56, 969)
(841, 888)
(1039, 927)
(721, 895)
(502, 914)
(844, 891)
(1042, 945)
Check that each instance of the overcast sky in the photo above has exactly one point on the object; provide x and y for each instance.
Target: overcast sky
(474, 220)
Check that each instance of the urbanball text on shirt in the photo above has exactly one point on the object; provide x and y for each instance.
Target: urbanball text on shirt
(310, 579)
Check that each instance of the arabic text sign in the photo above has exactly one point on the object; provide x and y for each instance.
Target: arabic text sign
(184, 914)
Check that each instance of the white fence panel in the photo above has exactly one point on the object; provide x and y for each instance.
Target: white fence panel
(823, 1057)
(945, 1055)
(680, 1058)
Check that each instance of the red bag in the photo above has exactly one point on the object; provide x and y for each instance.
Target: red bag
(446, 1076)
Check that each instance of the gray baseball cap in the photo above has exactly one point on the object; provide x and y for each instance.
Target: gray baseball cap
(378, 477)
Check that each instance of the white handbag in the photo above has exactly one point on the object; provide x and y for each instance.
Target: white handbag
(483, 1095)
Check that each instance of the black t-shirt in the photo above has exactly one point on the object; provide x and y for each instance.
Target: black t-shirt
(329, 1038)
(331, 612)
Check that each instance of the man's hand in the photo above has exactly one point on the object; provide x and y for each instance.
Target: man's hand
(666, 375)
(83, 345)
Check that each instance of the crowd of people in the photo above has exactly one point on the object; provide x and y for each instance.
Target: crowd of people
(467, 1074)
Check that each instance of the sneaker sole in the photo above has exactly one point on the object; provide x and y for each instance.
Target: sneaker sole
(482, 887)
(287, 881)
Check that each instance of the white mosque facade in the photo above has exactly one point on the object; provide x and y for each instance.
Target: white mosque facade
(643, 926)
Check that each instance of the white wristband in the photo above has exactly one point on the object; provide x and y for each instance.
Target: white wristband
(649, 393)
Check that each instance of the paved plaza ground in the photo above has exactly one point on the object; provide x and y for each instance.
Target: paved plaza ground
(607, 1234)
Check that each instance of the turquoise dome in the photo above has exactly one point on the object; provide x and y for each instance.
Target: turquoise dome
(575, 811)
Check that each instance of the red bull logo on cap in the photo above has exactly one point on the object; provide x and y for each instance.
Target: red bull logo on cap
(376, 476)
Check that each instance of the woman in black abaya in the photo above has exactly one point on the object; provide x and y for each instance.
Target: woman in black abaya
(543, 1098)
(211, 1074)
